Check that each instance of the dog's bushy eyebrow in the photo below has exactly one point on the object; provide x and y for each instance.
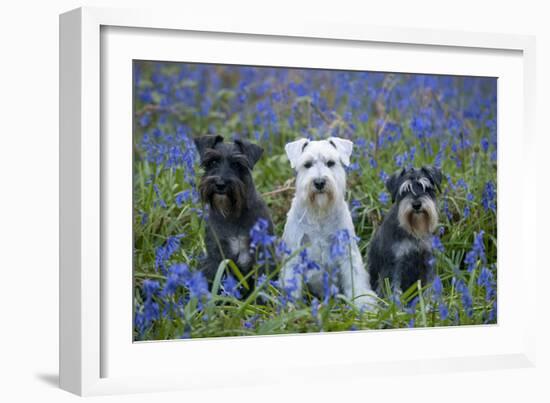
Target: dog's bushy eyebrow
(210, 155)
(241, 159)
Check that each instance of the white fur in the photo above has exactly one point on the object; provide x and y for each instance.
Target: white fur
(240, 246)
(316, 217)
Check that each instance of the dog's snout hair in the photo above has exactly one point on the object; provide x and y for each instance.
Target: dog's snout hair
(227, 197)
(418, 216)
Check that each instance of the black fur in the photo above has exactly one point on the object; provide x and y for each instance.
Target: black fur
(406, 269)
(228, 177)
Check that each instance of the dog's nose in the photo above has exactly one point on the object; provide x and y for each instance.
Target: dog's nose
(319, 183)
(220, 185)
(416, 204)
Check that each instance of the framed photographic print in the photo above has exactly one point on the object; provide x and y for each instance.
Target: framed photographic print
(233, 190)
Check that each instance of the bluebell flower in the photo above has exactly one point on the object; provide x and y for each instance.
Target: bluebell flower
(467, 302)
(485, 144)
(198, 286)
(477, 252)
(178, 274)
(231, 287)
(251, 323)
(443, 311)
(150, 288)
(183, 197)
(355, 205)
(159, 200)
(384, 198)
(164, 252)
(488, 198)
(261, 240)
(437, 244)
(145, 119)
(437, 287)
(486, 280)
(340, 244)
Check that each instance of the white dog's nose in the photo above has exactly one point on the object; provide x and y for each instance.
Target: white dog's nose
(319, 183)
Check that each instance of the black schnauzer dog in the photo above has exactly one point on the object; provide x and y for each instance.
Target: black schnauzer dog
(401, 248)
(234, 204)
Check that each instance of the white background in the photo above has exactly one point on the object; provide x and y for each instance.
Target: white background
(29, 188)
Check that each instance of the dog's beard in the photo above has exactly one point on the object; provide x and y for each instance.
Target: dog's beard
(321, 201)
(229, 203)
(418, 223)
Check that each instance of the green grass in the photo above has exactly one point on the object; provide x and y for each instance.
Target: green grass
(217, 316)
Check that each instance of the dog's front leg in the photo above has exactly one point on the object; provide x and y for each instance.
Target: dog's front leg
(397, 276)
(356, 283)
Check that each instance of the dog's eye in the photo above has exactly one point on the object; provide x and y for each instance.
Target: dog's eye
(308, 165)
(211, 164)
(330, 163)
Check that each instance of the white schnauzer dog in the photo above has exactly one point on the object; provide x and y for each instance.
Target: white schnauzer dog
(318, 212)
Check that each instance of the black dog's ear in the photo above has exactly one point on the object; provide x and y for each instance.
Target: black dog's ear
(252, 151)
(434, 174)
(207, 141)
(392, 184)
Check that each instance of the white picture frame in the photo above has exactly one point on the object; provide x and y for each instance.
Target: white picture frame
(87, 344)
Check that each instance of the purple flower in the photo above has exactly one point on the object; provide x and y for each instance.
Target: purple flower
(150, 288)
(437, 244)
(488, 198)
(340, 244)
(231, 287)
(476, 253)
(437, 287)
(467, 302)
(384, 198)
(198, 286)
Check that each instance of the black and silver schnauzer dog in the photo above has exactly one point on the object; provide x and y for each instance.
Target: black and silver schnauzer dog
(401, 248)
(234, 205)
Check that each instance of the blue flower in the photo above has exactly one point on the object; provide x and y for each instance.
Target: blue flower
(437, 244)
(165, 252)
(476, 253)
(150, 288)
(467, 302)
(486, 280)
(384, 198)
(488, 198)
(437, 287)
(160, 200)
(178, 275)
(198, 286)
(443, 311)
(231, 287)
(484, 144)
(340, 244)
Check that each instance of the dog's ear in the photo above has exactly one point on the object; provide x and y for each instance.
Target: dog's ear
(294, 150)
(207, 141)
(252, 151)
(344, 147)
(434, 174)
(392, 184)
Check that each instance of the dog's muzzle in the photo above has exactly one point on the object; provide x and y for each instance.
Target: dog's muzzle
(319, 184)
